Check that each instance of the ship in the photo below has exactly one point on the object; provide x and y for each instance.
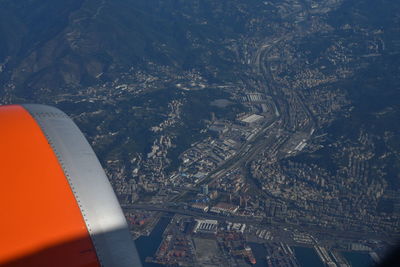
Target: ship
(250, 255)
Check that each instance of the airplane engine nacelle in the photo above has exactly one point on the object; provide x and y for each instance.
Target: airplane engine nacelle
(57, 205)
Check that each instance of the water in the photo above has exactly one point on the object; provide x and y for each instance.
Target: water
(259, 253)
(307, 257)
(358, 259)
(148, 245)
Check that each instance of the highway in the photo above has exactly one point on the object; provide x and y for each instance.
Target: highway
(273, 134)
(188, 212)
(274, 226)
(292, 118)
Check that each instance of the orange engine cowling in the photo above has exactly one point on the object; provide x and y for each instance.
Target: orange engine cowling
(57, 205)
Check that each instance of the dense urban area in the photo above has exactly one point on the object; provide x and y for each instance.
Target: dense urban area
(265, 145)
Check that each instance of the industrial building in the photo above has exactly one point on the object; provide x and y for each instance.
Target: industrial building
(225, 208)
(206, 226)
(251, 120)
(200, 207)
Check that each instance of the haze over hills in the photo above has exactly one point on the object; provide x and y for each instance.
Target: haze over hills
(72, 43)
(167, 93)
